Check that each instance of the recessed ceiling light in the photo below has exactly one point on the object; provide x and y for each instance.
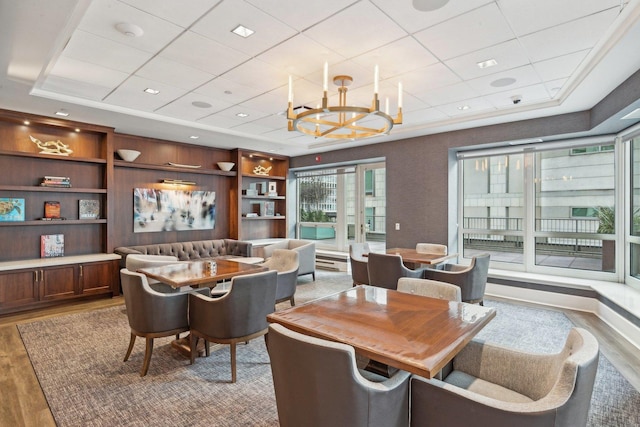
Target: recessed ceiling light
(27, 122)
(194, 137)
(129, 30)
(227, 92)
(463, 107)
(152, 91)
(77, 130)
(635, 114)
(243, 115)
(201, 104)
(62, 113)
(506, 81)
(242, 31)
(488, 63)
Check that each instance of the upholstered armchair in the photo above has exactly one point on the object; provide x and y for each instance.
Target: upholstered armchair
(432, 248)
(495, 386)
(429, 288)
(317, 384)
(152, 314)
(285, 262)
(386, 269)
(137, 261)
(306, 254)
(358, 260)
(238, 316)
(471, 279)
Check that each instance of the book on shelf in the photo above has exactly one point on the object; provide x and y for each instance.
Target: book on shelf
(56, 181)
(52, 210)
(51, 245)
(89, 209)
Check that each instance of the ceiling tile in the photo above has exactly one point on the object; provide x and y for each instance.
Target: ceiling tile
(507, 55)
(183, 108)
(449, 94)
(83, 90)
(300, 56)
(571, 37)
(478, 29)
(555, 86)
(218, 24)
(131, 94)
(174, 11)
(103, 16)
(528, 95)
(419, 82)
(476, 105)
(392, 58)
(271, 103)
(343, 34)
(173, 73)
(526, 16)
(418, 117)
(97, 50)
(561, 66)
(524, 76)
(301, 17)
(252, 128)
(216, 120)
(227, 90)
(93, 74)
(413, 20)
(233, 111)
(258, 75)
(198, 52)
(273, 122)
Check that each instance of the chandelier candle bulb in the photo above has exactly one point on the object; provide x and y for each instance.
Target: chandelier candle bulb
(376, 78)
(290, 90)
(325, 79)
(400, 95)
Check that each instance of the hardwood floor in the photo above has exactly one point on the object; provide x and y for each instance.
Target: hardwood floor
(24, 404)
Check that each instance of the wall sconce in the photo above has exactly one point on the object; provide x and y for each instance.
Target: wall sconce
(177, 182)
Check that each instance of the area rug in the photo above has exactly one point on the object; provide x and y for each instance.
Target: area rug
(78, 361)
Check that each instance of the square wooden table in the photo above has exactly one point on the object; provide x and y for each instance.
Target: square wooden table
(409, 332)
(413, 256)
(195, 273)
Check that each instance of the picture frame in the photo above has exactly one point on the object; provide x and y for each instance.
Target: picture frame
(51, 245)
(11, 209)
(52, 210)
(268, 209)
(89, 209)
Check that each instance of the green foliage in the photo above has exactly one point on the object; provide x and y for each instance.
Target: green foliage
(607, 217)
(314, 216)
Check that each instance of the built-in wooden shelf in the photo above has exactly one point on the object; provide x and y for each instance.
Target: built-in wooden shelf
(169, 168)
(52, 157)
(52, 189)
(56, 222)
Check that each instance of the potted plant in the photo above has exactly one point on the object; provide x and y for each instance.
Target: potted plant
(607, 217)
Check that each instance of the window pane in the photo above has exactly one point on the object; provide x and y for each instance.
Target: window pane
(493, 201)
(565, 236)
(635, 184)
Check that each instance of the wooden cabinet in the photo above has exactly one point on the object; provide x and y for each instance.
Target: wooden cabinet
(259, 198)
(26, 279)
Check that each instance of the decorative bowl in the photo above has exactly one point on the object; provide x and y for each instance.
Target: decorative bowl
(128, 155)
(226, 166)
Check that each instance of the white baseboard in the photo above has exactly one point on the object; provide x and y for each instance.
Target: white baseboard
(552, 299)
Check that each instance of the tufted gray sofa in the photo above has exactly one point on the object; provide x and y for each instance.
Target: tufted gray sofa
(189, 251)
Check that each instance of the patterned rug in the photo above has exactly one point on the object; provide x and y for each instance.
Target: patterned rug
(78, 361)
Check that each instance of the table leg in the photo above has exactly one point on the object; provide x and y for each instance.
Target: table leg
(380, 368)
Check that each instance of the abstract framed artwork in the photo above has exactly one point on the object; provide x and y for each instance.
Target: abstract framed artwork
(173, 210)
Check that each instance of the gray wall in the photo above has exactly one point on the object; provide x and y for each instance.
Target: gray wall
(420, 183)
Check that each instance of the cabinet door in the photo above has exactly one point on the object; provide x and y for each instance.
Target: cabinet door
(57, 282)
(96, 277)
(18, 288)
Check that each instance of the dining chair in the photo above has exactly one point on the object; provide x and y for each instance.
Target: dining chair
(429, 288)
(240, 315)
(285, 262)
(492, 385)
(472, 278)
(386, 269)
(432, 248)
(358, 259)
(318, 384)
(134, 262)
(152, 314)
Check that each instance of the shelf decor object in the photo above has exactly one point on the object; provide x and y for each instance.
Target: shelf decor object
(343, 121)
(51, 245)
(261, 170)
(11, 209)
(51, 210)
(56, 181)
(57, 147)
(226, 166)
(89, 209)
(128, 155)
(179, 165)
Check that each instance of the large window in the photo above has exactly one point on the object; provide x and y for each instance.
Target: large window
(541, 211)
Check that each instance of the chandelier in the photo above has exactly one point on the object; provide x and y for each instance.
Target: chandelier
(343, 121)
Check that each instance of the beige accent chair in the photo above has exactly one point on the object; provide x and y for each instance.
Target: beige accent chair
(472, 278)
(318, 384)
(495, 386)
(240, 315)
(432, 248)
(386, 269)
(429, 288)
(358, 257)
(152, 314)
(285, 262)
(137, 261)
(306, 254)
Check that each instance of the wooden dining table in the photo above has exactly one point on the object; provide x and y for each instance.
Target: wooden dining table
(415, 257)
(405, 331)
(197, 273)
